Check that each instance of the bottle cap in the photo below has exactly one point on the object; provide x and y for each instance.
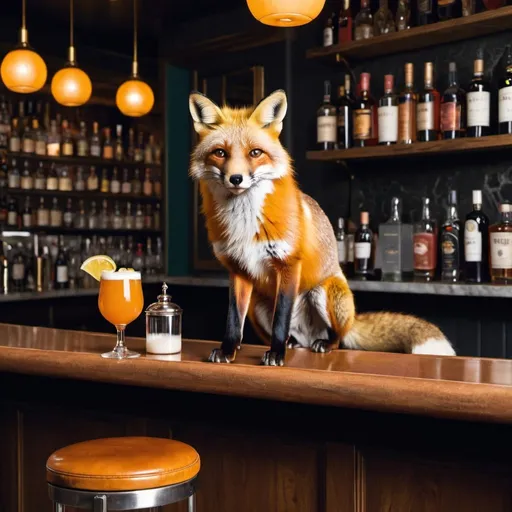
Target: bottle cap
(429, 72)
(365, 81)
(388, 82)
(452, 197)
(341, 222)
(477, 197)
(409, 73)
(452, 67)
(365, 217)
(347, 82)
(164, 306)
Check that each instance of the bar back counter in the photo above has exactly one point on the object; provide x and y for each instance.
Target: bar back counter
(347, 431)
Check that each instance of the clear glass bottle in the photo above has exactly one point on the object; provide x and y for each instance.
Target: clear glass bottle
(126, 186)
(95, 144)
(81, 217)
(52, 182)
(117, 218)
(128, 219)
(149, 150)
(119, 150)
(13, 175)
(40, 178)
(55, 214)
(383, 20)
(27, 180)
(139, 217)
(82, 143)
(43, 214)
(65, 183)
(93, 217)
(115, 184)
(40, 139)
(53, 140)
(28, 142)
(148, 184)
(67, 148)
(92, 180)
(363, 23)
(26, 217)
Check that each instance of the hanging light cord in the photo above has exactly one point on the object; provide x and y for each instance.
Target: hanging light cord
(71, 56)
(135, 64)
(24, 33)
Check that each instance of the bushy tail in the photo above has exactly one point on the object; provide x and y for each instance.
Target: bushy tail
(396, 332)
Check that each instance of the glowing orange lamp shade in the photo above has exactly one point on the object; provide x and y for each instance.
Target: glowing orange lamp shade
(71, 87)
(285, 13)
(135, 98)
(23, 71)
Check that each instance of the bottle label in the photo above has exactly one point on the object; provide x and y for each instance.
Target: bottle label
(42, 217)
(13, 181)
(425, 251)
(108, 152)
(472, 241)
(40, 183)
(505, 104)
(65, 184)
(27, 220)
(501, 250)
(14, 144)
(363, 32)
(67, 149)
(29, 145)
(425, 6)
(52, 183)
(56, 218)
(326, 128)
(425, 116)
(18, 271)
(40, 147)
(362, 124)
(126, 187)
(96, 151)
(450, 250)
(450, 117)
(81, 148)
(328, 36)
(342, 252)
(363, 250)
(27, 182)
(62, 274)
(12, 218)
(53, 149)
(68, 219)
(115, 187)
(407, 125)
(388, 123)
(479, 104)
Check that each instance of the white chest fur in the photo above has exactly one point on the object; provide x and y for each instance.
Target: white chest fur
(241, 219)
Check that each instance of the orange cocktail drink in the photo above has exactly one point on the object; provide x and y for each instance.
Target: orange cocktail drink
(120, 301)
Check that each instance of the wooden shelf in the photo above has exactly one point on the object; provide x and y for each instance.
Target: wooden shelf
(47, 230)
(78, 160)
(488, 22)
(83, 195)
(438, 147)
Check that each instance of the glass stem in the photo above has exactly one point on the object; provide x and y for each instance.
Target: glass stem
(120, 336)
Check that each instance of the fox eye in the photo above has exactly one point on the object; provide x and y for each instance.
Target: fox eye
(255, 153)
(220, 153)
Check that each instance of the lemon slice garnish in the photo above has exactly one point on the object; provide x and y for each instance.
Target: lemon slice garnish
(95, 265)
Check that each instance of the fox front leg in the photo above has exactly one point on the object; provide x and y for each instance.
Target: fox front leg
(287, 290)
(240, 292)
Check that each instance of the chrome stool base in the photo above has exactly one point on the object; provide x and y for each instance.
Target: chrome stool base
(100, 501)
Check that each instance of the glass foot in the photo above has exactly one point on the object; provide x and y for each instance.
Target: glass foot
(120, 353)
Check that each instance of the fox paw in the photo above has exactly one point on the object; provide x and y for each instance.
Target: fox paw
(218, 356)
(292, 343)
(271, 358)
(321, 346)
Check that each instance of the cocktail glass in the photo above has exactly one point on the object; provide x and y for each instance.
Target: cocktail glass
(120, 301)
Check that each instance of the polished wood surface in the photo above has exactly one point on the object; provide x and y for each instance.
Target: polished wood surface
(436, 147)
(457, 29)
(122, 464)
(444, 387)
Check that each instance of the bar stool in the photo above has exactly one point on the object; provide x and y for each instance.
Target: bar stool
(122, 473)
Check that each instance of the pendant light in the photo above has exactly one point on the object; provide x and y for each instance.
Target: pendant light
(71, 86)
(22, 69)
(285, 13)
(134, 97)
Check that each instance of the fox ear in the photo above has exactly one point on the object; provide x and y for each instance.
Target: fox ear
(204, 112)
(270, 111)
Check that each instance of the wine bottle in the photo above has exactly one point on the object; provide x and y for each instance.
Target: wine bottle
(478, 99)
(388, 113)
(505, 95)
(453, 107)
(476, 242)
(427, 110)
(327, 120)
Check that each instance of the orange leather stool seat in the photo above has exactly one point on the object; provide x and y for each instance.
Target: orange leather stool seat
(122, 464)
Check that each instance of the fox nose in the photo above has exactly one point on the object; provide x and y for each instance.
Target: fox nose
(236, 179)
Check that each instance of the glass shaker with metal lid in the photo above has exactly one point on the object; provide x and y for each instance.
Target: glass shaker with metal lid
(163, 325)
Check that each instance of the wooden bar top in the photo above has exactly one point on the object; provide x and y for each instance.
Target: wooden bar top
(444, 387)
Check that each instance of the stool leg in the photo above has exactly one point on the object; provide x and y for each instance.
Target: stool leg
(192, 503)
(57, 507)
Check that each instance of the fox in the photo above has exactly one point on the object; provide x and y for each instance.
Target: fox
(278, 245)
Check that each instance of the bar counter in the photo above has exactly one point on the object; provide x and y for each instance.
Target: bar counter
(325, 433)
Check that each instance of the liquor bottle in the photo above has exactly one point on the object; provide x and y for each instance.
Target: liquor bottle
(12, 213)
(26, 216)
(363, 262)
(92, 180)
(148, 217)
(138, 154)
(453, 107)
(28, 142)
(80, 179)
(13, 176)
(328, 33)
(156, 217)
(18, 270)
(15, 139)
(128, 218)
(505, 94)
(5, 128)
(448, 9)
(40, 178)
(53, 140)
(40, 139)
(68, 214)
(4, 271)
(61, 268)
(105, 183)
(119, 151)
(108, 147)
(363, 23)
(344, 118)
(117, 218)
(126, 186)
(139, 217)
(115, 184)
(27, 180)
(52, 182)
(157, 153)
(326, 120)
(407, 108)
(383, 20)
(55, 214)
(451, 242)
(403, 15)
(95, 144)
(130, 152)
(388, 113)
(65, 183)
(157, 186)
(363, 114)
(82, 144)
(425, 245)
(500, 240)
(104, 221)
(67, 140)
(345, 23)
(149, 150)
(136, 183)
(476, 242)
(390, 238)
(138, 263)
(478, 99)
(92, 220)
(81, 217)
(147, 188)
(43, 214)
(426, 12)
(427, 111)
